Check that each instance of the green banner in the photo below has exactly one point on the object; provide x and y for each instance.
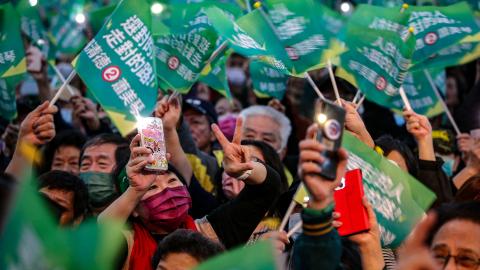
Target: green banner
(267, 81)
(181, 57)
(118, 65)
(399, 200)
(12, 53)
(8, 104)
(66, 31)
(420, 93)
(437, 28)
(259, 256)
(31, 240)
(376, 61)
(454, 55)
(99, 16)
(33, 27)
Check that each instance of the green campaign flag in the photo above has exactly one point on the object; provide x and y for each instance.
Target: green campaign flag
(12, 53)
(215, 76)
(437, 28)
(420, 93)
(181, 57)
(12, 60)
(32, 240)
(99, 16)
(33, 27)
(267, 81)
(376, 60)
(8, 104)
(65, 33)
(259, 256)
(118, 65)
(457, 54)
(399, 200)
(302, 34)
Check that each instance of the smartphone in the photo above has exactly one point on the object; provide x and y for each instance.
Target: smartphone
(348, 202)
(330, 119)
(151, 131)
(35, 63)
(475, 134)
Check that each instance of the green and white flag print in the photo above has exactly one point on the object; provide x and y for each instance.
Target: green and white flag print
(267, 81)
(398, 199)
(437, 28)
(420, 93)
(215, 76)
(118, 65)
(181, 57)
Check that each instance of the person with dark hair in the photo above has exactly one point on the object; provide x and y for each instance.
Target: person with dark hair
(63, 152)
(446, 239)
(158, 203)
(397, 152)
(183, 250)
(98, 160)
(66, 194)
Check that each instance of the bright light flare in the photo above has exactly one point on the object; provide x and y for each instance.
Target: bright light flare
(321, 118)
(33, 2)
(157, 8)
(80, 18)
(346, 7)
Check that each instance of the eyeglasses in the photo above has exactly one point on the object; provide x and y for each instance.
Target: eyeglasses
(464, 262)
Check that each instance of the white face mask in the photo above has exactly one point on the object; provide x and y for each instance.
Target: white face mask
(66, 114)
(29, 87)
(236, 76)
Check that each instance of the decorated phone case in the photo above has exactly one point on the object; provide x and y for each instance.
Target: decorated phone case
(151, 130)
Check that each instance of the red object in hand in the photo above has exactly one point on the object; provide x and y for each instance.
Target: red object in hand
(348, 202)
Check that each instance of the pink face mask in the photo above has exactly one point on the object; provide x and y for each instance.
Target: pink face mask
(227, 123)
(169, 208)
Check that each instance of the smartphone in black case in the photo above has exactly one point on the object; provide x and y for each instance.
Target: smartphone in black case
(330, 119)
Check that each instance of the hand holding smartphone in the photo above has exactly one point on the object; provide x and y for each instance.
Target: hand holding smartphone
(151, 131)
(330, 119)
(348, 202)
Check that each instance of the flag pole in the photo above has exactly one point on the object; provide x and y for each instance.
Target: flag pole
(312, 84)
(295, 229)
(356, 96)
(403, 95)
(62, 79)
(249, 7)
(60, 90)
(440, 99)
(334, 83)
(290, 209)
(360, 102)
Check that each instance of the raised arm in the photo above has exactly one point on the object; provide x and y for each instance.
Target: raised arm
(170, 111)
(318, 236)
(419, 126)
(139, 180)
(36, 130)
(472, 166)
(354, 124)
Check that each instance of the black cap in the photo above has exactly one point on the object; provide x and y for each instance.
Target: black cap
(201, 106)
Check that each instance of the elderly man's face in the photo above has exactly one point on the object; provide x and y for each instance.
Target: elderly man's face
(262, 128)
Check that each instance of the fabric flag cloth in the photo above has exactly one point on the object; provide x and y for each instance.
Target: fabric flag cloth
(181, 56)
(65, 33)
(259, 256)
(33, 27)
(118, 65)
(13, 64)
(398, 199)
(420, 93)
(99, 16)
(267, 81)
(438, 28)
(377, 59)
(32, 240)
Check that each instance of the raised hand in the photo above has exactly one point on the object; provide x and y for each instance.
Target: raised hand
(169, 110)
(84, 108)
(464, 143)
(38, 127)
(415, 254)
(418, 125)
(236, 159)
(140, 180)
(369, 242)
(321, 190)
(355, 124)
